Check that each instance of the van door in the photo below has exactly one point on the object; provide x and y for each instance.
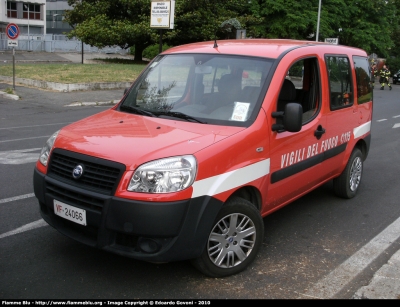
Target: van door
(295, 165)
(342, 116)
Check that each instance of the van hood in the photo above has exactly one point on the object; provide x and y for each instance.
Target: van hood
(133, 139)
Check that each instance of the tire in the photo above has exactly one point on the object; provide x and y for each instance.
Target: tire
(234, 240)
(347, 184)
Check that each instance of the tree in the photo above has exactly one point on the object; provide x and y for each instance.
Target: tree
(363, 24)
(372, 25)
(367, 25)
(288, 18)
(201, 20)
(123, 23)
(126, 23)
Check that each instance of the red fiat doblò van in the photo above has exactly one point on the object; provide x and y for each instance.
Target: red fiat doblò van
(210, 138)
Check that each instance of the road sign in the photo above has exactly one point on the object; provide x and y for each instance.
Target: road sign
(160, 14)
(332, 40)
(12, 31)
(12, 43)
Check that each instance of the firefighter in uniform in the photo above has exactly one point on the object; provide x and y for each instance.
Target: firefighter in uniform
(374, 73)
(384, 76)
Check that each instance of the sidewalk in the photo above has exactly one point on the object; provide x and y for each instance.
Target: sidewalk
(385, 283)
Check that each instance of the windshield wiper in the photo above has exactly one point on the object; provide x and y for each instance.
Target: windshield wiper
(180, 115)
(158, 113)
(137, 110)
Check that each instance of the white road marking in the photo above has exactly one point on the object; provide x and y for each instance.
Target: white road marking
(36, 137)
(381, 120)
(335, 281)
(396, 116)
(41, 125)
(396, 126)
(7, 200)
(30, 226)
(19, 156)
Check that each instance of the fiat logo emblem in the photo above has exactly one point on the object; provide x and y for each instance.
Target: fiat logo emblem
(77, 172)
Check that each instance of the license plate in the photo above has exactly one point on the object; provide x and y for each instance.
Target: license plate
(70, 213)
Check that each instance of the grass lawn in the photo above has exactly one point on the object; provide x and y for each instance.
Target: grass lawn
(106, 71)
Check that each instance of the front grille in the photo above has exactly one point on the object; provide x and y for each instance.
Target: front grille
(99, 175)
(74, 198)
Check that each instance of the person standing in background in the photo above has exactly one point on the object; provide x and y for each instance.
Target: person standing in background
(374, 72)
(384, 77)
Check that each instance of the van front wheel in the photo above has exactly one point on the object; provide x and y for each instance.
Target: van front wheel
(346, 185)
(234, 240)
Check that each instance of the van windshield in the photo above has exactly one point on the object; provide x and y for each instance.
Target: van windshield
(201, 88)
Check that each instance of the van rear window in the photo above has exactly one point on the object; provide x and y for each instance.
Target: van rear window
(340, 81)
(363, 78)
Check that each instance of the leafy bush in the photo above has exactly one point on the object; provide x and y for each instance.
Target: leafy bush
(394, 64)
(151, 51)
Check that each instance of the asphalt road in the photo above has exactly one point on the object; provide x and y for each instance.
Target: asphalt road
(317, 247)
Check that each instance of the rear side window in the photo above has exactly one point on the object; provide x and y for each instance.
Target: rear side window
(363, 79)
(340, 81)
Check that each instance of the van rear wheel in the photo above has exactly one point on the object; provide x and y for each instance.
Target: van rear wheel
(234, 240)
(347, 184)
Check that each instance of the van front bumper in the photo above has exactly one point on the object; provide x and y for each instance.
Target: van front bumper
(149, 231)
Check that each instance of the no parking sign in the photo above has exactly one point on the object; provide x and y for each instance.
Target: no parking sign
(12, 31)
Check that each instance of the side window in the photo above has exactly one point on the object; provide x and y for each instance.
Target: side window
(302, 85)
(340, 81)
(363, 78)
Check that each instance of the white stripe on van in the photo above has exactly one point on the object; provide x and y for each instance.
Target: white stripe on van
(361, 130)
(224, 182)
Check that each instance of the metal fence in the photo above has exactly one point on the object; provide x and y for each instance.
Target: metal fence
(54, 43)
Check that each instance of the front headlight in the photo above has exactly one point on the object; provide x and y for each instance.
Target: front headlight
(164, 175)
(44, 154)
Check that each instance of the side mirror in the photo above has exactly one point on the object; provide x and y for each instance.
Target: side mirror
(289, 120)
(292, 120)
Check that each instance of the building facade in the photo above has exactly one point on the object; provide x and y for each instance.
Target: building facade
(55, 10)
(34, 17)
(30, 16)
(42, 27)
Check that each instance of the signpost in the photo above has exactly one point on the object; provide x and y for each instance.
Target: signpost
(12, 32)
(162, 16)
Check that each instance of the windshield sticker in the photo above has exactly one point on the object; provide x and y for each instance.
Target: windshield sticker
(240, 111)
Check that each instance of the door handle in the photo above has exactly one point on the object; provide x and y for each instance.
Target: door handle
(319, 132)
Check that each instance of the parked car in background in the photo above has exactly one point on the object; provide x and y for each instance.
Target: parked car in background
(396, 77)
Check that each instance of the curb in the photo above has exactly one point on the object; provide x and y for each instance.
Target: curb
(37, 61)
(386, 282)
(73, 104)
(62, 87)
(101, 103)
(11, 96)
